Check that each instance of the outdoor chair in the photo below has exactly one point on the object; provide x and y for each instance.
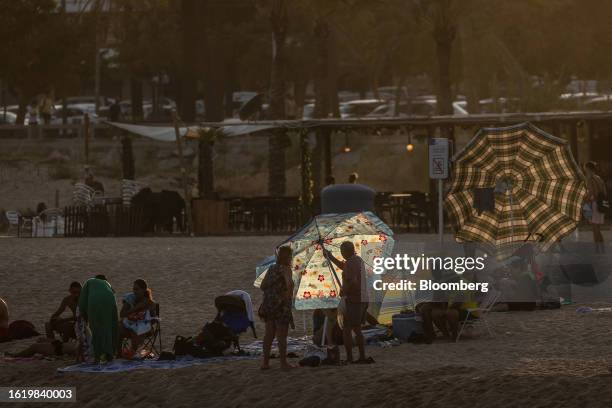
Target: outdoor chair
(482, 310)
(13, 218)
(152, 344)
(416, 211)
(82, 194)
(48, 223)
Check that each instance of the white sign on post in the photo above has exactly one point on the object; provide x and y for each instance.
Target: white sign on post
(438, 169)
(438, 158)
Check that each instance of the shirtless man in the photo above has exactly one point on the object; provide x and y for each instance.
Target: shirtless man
(64, 326)
(4, 321)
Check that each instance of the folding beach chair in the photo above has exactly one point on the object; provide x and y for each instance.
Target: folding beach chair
(482, 310)
(151, 347)
(154, 338)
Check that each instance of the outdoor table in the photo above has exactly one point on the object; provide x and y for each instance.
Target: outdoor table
(398, 202)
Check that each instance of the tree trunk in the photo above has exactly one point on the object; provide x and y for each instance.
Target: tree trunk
(206, 180)
(211, 69)
(136, 97)
(306, 197)
(189, 23)
(21, 110)
(277, 141)
(127, 158)
(444, 35)
(326, 96)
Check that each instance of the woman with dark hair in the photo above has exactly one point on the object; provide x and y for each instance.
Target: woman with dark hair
(275, 309)
(596, 194)
(138, 308)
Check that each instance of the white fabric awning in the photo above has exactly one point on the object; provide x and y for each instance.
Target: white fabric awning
(161, 133)
(166, 133)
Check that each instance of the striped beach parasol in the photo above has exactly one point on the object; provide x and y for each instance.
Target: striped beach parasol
(536, 188)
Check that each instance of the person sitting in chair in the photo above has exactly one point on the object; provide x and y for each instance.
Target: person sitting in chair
(136, 313)
(64, 326)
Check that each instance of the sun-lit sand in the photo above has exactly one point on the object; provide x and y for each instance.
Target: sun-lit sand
(552, 358)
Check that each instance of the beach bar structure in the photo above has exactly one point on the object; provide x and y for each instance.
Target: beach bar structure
(589, 133)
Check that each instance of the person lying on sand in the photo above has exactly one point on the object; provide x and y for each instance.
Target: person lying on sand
(64, 326)
(48, 348)
(138, 308)
(275, 310)
(4, 321)
(355, 295)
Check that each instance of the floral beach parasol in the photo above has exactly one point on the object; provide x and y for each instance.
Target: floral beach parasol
(318, 281)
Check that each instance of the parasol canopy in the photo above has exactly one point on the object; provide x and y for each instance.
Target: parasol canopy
(317, 280)
(536, 188)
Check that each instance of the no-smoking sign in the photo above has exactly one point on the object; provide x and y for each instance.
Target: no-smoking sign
(438, 158)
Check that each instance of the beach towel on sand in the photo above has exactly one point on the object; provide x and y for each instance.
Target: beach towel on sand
(97, 303)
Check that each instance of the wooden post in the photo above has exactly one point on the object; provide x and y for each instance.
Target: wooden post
(327, 153)
(56, 206)
(186, 189)
(86, 134)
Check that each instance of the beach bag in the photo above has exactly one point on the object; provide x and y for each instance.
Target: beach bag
(580, 274)
(216, 337)
(182, 346)
(22, 329)
(603, 205)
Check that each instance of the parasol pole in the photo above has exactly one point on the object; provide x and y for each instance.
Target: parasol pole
(329, 263)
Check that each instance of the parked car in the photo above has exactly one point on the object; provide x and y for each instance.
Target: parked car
(360, 107)
(417, 107)
(9, 119)
(601, 102)
(75, 114)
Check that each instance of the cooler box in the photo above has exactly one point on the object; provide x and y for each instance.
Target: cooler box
(406, 324)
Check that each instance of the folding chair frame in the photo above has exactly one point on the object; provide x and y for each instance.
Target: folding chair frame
(153, 338)
(487, 305)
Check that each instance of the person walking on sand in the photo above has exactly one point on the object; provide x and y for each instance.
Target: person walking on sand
(98, 307)
(275, 310)
(354, 294)
(596, 195)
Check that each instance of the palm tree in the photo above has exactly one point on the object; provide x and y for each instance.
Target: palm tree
(277, 141)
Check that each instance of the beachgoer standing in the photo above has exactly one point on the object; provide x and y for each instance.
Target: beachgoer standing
(596, 194)
(355, 295)
(46, 108)
(97, 305)
(65, 326)
(276, 307)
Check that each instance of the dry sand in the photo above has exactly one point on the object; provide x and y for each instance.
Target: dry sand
(552, 358)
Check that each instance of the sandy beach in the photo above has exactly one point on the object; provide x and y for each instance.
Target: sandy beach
(545, 358)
